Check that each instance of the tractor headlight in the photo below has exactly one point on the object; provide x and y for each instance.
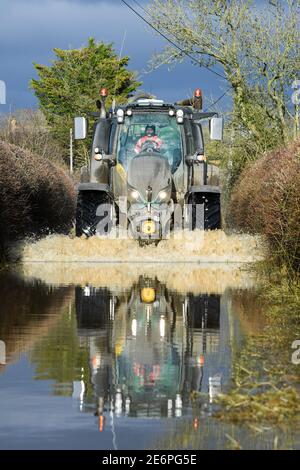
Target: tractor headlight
(120, 116)
(201, 158)
(163, 195)
(98, 154)
(179, 116)
(133, 195)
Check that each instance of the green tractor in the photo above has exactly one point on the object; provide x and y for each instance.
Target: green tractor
(148, 172)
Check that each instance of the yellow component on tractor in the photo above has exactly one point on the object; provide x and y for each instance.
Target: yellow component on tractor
(148, 295)
(119, 346)
(148, 227)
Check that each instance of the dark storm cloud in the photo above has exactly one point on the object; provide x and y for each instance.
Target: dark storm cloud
(30, 29)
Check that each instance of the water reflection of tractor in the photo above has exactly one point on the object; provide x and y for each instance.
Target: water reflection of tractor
(148, 170)
(148, 347)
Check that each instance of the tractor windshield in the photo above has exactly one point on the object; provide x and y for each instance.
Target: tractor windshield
(157, 130)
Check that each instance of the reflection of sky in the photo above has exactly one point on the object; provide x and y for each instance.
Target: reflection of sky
(30, 29)
(151, 369)
(33, 419)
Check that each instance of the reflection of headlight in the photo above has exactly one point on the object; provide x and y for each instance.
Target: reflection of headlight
(148, 295)
(163, 196)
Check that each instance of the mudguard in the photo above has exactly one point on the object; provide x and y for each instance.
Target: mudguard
(94, 187)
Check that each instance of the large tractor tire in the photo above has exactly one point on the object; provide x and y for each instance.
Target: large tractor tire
(205, 211)
(87, 221)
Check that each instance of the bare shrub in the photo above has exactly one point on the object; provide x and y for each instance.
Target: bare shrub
(266, 199)
(27, 128)
(36, 196)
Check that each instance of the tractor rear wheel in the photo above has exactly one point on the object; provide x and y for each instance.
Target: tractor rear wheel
(204, 211)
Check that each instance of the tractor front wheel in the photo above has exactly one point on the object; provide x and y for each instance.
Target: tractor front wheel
(94, 214)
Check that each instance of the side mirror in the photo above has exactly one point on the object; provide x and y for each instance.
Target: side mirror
(216, 128)
(80, 128)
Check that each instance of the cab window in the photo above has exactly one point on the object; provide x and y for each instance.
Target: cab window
(166, 138)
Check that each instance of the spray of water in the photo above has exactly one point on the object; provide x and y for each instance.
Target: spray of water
(186, 247)
(192, 262)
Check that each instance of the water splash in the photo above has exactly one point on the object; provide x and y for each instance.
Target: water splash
(187, 247)
(195, 262)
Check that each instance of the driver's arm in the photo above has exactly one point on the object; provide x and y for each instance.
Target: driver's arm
(158, 141)
(138, 146)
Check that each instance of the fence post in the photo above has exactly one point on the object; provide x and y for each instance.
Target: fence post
(71, 151)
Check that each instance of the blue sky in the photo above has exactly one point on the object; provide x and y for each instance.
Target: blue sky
(30, 29)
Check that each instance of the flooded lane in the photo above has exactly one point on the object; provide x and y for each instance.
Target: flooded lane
(123, 355)
(111, 365)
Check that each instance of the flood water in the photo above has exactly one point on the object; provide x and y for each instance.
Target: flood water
(112, 355)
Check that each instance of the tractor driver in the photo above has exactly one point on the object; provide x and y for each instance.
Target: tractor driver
(150, 136)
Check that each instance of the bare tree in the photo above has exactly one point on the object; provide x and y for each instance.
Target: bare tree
(27, 128)
(256, 44)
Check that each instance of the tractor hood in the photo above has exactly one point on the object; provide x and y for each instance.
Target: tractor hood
(149, 171)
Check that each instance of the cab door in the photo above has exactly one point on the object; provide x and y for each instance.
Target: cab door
(120, 170)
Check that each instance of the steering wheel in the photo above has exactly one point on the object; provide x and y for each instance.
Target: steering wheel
(150, 146)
